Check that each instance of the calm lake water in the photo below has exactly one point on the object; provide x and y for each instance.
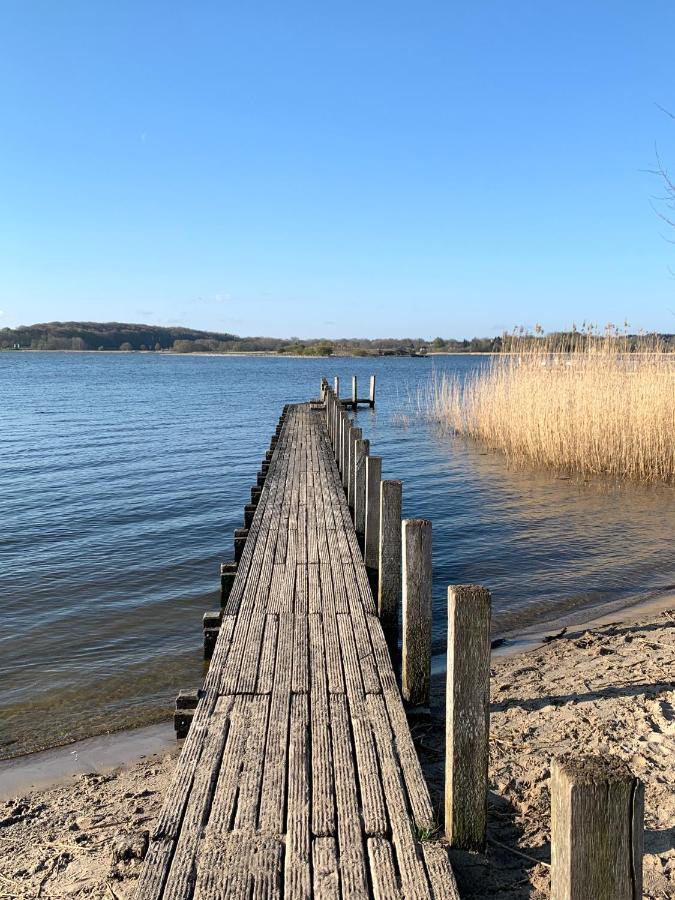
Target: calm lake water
(122, 477)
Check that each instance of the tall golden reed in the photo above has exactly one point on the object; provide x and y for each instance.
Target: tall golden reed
(581, 403)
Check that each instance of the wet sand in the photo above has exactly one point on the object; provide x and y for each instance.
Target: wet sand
(606, 688)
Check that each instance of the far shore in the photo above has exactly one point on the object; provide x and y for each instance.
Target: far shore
(596, 688)
(259, 353)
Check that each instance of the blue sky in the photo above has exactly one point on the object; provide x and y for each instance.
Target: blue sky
(359, 169)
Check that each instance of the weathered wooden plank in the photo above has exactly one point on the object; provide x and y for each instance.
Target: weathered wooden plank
(272, 804)
(325, 869)
(300, 683)
(382, 869)
(227, 786)
(350, 839)
(251, 771)
(297, 871)
(323, 798)
(181, 878)
(413, 875)
(268, 656)
(441, 876)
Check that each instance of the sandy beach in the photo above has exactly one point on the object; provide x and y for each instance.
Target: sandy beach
(610, 688)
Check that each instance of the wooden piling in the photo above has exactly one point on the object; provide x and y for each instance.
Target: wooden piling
(416, 577)
(355, 395)
(371, 401)
(361, 451)
(336, 383)
(355, 435)
(338, 433)
(182, 719)
(389, 561)
(228, 572)
(211, 624)
(372, 523)
(240, 535)
(467, 716)
(597, 830)
(345, 452)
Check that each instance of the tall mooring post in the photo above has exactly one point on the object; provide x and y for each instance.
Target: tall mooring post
(416, 653)
(467, 714)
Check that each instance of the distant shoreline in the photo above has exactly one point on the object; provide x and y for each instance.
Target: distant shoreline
(259, 353)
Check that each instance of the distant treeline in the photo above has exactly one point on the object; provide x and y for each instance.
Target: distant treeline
(123, 337)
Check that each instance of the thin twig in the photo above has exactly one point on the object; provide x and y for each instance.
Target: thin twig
(539, 862)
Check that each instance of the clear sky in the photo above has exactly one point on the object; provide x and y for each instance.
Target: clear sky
(335, 169)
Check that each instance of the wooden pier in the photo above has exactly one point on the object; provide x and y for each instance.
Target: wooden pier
(298, 777)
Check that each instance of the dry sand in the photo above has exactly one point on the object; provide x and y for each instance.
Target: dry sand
(609, 689)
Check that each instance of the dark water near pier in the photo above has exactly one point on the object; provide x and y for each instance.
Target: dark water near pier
(122, 477)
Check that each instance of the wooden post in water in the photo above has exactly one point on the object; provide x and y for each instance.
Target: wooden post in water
(336, 382)
(597, 830)
(416, 565)
(340, 438)
(345, 452)
(344, 424)
(361, 451)
(354, 392)
(467, 716)
(372, 524)
(354, 436)
(389, 562)
(371, 402)
(336, 431)
(228, 572)
(240, 535)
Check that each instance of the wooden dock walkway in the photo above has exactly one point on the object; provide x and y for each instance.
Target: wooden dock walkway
(298, 777)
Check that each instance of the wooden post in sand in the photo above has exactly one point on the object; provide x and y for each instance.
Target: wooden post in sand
(416, 653)
(467, 715)
(597, 830)
(389, 557)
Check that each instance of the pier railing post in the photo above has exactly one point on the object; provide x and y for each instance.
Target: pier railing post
(336, 440)
(361, 451)
(341, 440)
(372, 392)
(416, 565)
(372, 523)
(345, 451)
(354, 392)
(467, 716)
(597, 830)
(389, 562)
(354, 436)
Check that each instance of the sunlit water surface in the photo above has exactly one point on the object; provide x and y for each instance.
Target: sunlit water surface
(122, 477)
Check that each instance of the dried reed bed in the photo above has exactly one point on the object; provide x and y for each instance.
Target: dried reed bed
(598, 405)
